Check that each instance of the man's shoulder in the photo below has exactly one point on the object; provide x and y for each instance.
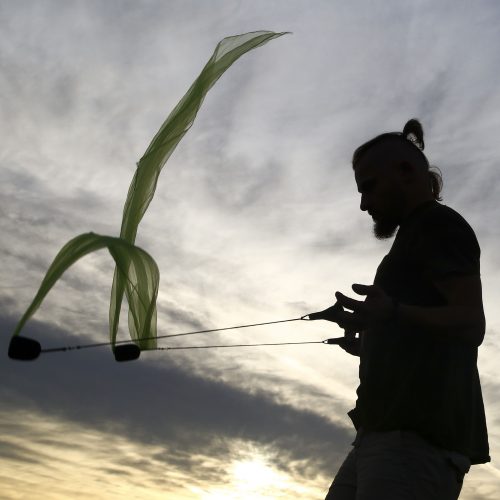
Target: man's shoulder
(436, 229)
(443, 217)
(445, 237)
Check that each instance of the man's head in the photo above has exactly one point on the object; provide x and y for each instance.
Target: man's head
(393, 177)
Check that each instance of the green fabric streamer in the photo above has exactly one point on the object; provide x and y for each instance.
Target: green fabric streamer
(137, 269)
(143, 185)
(136, 273)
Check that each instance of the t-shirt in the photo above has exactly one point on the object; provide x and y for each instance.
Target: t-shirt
(413, 380)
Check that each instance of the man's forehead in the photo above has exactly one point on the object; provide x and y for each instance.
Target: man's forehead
(365, 176)
(368, 166)
(374, 161)
(379, 153)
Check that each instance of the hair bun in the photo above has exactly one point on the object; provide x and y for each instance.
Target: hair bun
(414, 132)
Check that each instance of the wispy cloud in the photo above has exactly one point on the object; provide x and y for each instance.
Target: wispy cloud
(255, 218)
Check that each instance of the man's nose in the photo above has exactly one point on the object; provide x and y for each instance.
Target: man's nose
(364, 204)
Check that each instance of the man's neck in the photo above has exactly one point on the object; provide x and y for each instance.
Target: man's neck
(414, 203)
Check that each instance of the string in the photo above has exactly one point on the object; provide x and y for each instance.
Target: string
(235, 345)
(103, 344)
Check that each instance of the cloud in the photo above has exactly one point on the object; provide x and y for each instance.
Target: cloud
(149, 403)
(256, 214)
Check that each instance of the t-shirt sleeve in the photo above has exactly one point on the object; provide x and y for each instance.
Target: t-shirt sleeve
(447, 246)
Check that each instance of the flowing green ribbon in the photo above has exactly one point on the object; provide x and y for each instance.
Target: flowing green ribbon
(137, 269)
(136, 273)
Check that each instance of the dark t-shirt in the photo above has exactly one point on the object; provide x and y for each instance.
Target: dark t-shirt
(414, 380)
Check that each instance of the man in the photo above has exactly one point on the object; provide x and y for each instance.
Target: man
(419, 414)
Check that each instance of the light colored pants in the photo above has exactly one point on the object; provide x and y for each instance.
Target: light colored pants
(398, 465)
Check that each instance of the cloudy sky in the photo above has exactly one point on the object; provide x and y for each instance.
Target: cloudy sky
(256, 218)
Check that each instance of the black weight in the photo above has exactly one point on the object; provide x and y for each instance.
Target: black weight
(127, 352)
(24, 349)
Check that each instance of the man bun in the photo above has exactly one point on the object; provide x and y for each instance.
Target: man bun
(414, 132)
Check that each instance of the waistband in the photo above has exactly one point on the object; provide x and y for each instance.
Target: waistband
(365, 438)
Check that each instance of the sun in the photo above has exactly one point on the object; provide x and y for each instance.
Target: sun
(250, 477)
(254, 474)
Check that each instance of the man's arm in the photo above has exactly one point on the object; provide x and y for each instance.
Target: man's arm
(462, 316)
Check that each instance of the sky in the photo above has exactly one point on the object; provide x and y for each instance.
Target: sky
(256, 218)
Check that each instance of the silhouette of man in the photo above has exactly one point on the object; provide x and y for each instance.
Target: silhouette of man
(419, 413)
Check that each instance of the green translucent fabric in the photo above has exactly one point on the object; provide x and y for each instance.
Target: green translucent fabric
(137, 269)
(136, 273)
(143, 185)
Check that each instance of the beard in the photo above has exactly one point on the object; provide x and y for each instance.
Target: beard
(384, 228)
(387, 219)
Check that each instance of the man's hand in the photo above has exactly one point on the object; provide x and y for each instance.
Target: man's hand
(375, 310)
(350, 343)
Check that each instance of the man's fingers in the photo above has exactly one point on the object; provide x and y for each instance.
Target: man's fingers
(347, 302)
(369, 290)
(350, 334)
(362, 289)
(348, 321)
